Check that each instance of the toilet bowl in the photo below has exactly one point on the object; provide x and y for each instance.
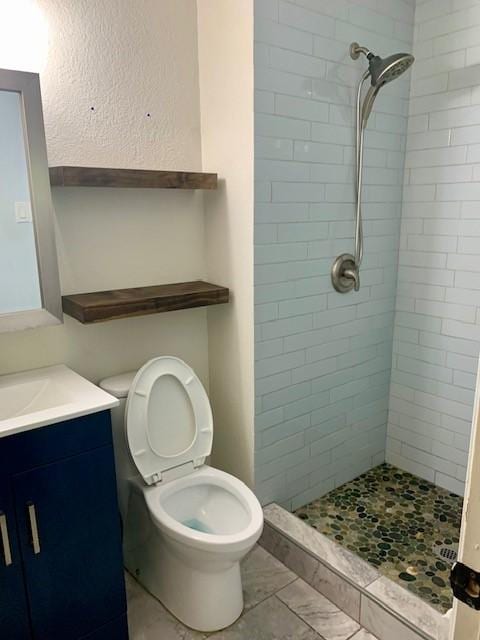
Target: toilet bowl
(186, 525)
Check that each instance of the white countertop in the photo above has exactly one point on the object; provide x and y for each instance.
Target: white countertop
(36, 398)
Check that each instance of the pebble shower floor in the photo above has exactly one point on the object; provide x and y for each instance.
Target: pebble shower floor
(396, 522)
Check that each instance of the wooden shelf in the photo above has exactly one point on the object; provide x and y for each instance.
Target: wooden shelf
(130, 178)
(140, 301)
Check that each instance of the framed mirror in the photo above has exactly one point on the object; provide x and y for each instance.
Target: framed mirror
(29, 281)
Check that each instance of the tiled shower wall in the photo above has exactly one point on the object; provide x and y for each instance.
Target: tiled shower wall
(437, 332)
(323, 359)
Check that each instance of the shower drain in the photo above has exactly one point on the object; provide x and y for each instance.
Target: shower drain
(447, 552)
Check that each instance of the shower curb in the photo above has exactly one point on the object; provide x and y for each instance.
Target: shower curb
(380, 605)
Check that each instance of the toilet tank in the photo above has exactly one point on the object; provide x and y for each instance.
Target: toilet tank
(119, 387)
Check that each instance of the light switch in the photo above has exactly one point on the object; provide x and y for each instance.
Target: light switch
(23, 212)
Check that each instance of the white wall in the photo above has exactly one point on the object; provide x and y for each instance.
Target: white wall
(323, 358)
(126, 60)
(437, 332)
(225, 31)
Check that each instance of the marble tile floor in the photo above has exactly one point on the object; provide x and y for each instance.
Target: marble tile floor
(278, 606)
(395, 521)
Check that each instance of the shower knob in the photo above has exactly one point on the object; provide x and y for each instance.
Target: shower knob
(345, 276)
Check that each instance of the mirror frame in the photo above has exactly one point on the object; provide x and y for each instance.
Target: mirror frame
(27, 85)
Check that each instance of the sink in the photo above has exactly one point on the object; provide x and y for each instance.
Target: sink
(36, 398)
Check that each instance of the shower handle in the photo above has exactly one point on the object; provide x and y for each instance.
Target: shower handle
(345, 274)
(354, 275)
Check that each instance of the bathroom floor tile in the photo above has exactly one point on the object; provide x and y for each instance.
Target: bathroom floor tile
(270, 620)
(363, 635)
(396, 522)
(262, 576)
(149, 620)
(279, 606)
(165, 628)
(318, 612)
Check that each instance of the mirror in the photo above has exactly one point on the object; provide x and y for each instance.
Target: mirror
(29, 282)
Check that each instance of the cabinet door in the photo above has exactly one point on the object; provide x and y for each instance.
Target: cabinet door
(69, 530)
(14, 622)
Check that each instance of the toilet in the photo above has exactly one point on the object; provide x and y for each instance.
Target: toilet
(186, 525)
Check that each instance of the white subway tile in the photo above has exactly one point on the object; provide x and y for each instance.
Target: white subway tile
(297, 192)
(430, 140)
(446, 310)
(430, 243)
(301, 108)
(458, 329)
(463, 296)
(449, 23)
(318, 152)
(433, 157)
(466, 380)
(300, 18)
(462, 117)
(464, 262)
(282, 35)
(431, 9)
(298, 63)
(274, 148)
(449, 483)
(281, 82)
(458, 192)
(439, 175)
(469, 245)
(436, 277)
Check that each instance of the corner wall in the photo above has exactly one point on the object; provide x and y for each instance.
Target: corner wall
(225, 35)
(322, 358)
(437, 332)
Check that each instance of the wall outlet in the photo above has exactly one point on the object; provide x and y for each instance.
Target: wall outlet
(23, 212)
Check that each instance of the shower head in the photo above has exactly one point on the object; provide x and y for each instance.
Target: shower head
(381, 71)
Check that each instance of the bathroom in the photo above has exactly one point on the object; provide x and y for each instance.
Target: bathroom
(346, 416)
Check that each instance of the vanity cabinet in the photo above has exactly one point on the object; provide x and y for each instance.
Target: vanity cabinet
(58, 495)
(13, 601)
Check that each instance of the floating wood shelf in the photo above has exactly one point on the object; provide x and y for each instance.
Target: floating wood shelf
(130, 178)
(139, 301)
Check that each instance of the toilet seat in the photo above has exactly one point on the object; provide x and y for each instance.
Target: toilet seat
(169, 424)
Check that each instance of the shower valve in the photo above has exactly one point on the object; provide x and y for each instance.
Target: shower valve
(345, 274)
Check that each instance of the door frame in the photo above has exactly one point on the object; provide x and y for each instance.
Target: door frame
(465, 622)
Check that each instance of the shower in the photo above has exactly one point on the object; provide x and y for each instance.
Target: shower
(381, 71)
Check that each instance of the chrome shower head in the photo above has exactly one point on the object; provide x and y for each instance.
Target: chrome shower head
(381, 71)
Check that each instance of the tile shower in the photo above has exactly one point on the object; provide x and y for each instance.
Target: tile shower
(345, 383)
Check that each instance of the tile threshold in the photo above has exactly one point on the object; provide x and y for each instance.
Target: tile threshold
(375, 601)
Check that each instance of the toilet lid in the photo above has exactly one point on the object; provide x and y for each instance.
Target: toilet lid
(168, 418)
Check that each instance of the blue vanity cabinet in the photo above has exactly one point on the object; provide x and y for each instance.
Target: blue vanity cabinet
(13, 603)
(63, 494)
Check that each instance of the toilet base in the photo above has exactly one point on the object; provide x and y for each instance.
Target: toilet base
(203, 590)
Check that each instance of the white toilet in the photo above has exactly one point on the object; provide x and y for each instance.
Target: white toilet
(186, 525)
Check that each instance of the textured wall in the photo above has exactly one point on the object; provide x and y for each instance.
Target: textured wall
(323, 359)
(437, 335)
(126, 59)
